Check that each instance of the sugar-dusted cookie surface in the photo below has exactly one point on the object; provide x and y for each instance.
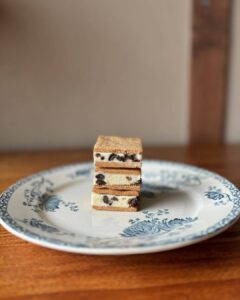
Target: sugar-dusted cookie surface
(117, 144)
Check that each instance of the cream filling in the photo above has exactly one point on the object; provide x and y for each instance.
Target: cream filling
(104, 156)
(122, 201)
(118, 179)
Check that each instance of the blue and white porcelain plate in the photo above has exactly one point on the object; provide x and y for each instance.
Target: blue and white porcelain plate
(180, 205)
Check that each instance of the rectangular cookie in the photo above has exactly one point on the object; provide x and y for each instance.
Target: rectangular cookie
(119, 179)
(118, 152)
(117, 200)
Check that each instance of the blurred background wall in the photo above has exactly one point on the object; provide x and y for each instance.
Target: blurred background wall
(70, 70)
(233, 103)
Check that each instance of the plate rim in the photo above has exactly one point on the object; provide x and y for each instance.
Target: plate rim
(174, 243)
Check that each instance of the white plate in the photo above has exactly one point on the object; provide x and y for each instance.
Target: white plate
(180, 205)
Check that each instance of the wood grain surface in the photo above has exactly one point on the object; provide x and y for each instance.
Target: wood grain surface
(208, 270)
(211, 39)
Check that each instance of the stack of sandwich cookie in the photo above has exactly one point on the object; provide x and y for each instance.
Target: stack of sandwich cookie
(117, 174)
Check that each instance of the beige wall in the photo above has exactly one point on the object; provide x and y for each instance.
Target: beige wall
(70, 70)
(233, 109)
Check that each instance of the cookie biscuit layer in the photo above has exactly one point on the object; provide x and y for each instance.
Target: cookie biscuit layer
(114, 208)
(111, 191)
(117, 165)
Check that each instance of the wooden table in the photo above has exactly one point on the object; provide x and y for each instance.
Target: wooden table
(208, 270)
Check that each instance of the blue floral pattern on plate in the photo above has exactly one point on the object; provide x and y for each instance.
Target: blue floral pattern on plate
(152, 224)
(217, 196)
(41, 197)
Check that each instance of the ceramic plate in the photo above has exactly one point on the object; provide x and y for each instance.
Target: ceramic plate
(180, 205)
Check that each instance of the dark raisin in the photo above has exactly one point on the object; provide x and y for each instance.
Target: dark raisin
(139, 181)
(133, 202)
(100, 176)
(102, 157)
(121, 158)
(129, 178)
(105, 199)
(112, 157)
(114, 198)
(100, 182)
(97, 154)
(133, 157)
